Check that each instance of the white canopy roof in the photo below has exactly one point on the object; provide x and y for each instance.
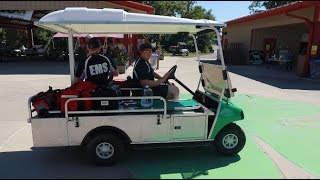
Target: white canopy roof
(117, 21)
(62, 35)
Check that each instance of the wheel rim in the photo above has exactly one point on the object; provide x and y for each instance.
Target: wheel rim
(104, 150)
(230, 141)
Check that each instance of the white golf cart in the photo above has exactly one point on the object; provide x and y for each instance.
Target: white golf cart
(207, 118)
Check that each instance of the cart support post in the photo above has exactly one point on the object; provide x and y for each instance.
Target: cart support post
(220, 47)
(196, 46)
(71, 55)
(197, 52)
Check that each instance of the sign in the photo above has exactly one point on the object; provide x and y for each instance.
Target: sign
(314, 50)
(24, 15)
(256, 57)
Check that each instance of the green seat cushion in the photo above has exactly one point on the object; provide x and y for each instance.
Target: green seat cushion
(183, 104)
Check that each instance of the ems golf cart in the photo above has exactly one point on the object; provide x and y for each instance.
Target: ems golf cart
(207, 119)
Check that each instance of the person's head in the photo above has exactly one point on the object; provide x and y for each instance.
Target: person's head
(94, 45)
(145, 51)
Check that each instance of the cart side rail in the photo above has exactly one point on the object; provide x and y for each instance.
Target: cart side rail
(164, 109)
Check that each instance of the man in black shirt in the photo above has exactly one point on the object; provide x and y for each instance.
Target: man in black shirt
(97, 68)
(144, 72)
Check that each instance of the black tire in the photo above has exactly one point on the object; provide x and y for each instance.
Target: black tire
(115, 143)
(236, 136)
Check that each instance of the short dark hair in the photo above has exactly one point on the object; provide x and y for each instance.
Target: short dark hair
(145, 46)
(94, 43)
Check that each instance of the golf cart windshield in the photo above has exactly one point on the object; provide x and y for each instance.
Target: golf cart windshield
(214, 80)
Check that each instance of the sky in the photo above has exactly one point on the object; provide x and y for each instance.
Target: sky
(226, 10)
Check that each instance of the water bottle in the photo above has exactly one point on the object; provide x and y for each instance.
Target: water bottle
(147, 102)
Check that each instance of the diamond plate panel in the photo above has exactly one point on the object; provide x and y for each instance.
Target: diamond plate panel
(132, 125)
(49, 132)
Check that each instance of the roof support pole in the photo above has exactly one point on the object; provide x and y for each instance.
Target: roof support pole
(310, 26)
(71, 55)
(196, 46)
(315, 29)
(220, 47)
(29, 38)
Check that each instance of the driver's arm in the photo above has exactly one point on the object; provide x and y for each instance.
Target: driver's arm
(156, 75)
(152, 83)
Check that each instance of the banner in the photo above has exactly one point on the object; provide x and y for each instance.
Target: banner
(24, 15)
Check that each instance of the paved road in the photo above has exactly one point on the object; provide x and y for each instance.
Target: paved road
(281, 97)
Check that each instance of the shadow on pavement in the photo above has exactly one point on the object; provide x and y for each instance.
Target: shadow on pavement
(190, 162)
(56, 163)
(34, 67)
(273, 76)
(186, 163)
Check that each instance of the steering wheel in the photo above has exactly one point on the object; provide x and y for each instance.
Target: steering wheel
(172, 71)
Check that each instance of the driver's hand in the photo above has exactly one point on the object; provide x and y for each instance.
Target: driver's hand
(165, 77)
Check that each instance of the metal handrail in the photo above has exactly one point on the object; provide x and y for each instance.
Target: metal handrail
(113, 111)
(29, 109)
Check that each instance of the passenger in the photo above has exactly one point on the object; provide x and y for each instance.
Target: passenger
(111, 56)
(145, 74)
(97, 68)
(82, 54)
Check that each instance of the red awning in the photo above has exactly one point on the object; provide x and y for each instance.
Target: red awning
(62, 35)
(275, 11)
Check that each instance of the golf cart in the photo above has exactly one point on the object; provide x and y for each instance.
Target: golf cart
(206, 119)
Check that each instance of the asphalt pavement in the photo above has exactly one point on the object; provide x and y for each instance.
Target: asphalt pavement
(282, 121)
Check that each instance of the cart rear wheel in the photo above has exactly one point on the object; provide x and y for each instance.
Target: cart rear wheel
(230, 140)
(105, 149)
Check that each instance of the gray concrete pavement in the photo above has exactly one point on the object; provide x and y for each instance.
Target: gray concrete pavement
(20, 80)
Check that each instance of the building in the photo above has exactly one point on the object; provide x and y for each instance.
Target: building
(294, 27)
(30, 11)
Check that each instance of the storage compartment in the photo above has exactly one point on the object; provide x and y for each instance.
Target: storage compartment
(189, 127)
(49, 132)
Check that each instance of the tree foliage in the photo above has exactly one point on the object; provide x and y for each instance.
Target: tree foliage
(13, 38)
(184, 9)
(17, 38)
(41, 36)
(259, 6)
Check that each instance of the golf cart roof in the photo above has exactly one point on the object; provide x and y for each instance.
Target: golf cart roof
(88, 20)
(63, 35)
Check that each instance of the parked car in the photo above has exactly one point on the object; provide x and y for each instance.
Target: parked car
(180, 48)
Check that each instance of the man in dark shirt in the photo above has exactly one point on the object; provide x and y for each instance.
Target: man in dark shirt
(144, 72)
(97, 68)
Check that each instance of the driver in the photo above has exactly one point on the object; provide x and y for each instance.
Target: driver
(144, 72)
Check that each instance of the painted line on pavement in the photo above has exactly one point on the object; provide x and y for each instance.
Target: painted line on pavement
(12, 135)
(288, 169)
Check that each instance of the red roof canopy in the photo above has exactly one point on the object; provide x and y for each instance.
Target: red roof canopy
(135, 5)
(275, 11)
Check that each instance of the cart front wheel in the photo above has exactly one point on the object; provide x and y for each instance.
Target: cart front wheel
(105, 149)
(230, 140)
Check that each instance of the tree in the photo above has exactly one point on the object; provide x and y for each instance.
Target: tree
(186, 9)
(256, 6)
(41, 36)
